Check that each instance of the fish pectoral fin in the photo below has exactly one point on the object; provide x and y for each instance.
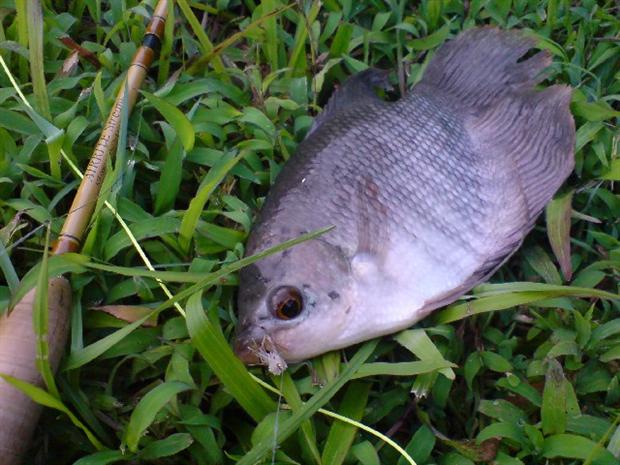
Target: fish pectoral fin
(365, 267)
(358, 89)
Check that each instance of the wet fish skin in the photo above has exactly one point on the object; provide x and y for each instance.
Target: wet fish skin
(428, 195)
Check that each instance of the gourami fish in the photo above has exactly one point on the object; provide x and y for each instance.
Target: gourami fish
(428, 196)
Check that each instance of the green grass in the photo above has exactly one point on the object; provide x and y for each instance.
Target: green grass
(527, 372)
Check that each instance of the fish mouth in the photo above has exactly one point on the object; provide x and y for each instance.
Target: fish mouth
(261, 350)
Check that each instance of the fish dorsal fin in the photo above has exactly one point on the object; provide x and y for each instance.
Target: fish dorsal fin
(357, 90)
(483, 65)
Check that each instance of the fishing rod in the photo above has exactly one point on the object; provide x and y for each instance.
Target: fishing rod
(18, 413)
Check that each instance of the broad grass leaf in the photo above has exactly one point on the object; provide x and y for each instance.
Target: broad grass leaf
(197, 204)
(104, 457)
(146, 410)
(182, 126)
(297, 63)
(40, 318)
(56, 266)
(508, 295)
(210, 342)
(8, 270)
(611, 354)
(586, 134)
(558, 215)
(538, 259)
(170, 179)
(595, 428)
(290, 425)
(145, 229)
(418, 342)
(42, 397)
(365, 453)
(78, 358)
(206, 47)
(341, 435)
(613, 172)
(576, 447)
(307, 433)
(167, 447)
(431, 41)
(495, 362)
(14, 121)
(614, 443)
(35, 52)
(401, 368)
(502, 410)
(502, 430)
(420, 446)
(553, 410)
(167, 276)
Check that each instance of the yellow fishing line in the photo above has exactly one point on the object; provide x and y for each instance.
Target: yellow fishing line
(348, 420)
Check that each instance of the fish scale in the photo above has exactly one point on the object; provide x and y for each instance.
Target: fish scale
(428, 196)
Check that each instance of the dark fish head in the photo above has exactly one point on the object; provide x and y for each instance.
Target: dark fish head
(287, 303)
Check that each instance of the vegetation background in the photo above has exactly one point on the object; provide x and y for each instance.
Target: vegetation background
(236, 88)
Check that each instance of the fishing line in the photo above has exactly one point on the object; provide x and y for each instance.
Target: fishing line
(277, 422)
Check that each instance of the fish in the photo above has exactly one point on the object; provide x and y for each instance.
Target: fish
(428, 196)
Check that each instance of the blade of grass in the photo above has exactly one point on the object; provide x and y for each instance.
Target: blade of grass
(270, 44)
(213, 178)
(558, 216)
(37, 63)
(146, 410)
(293, 399)
(214, 53)
(8, 270)
(44, 398)
(297, 61)
(344, 419)
(503, 299)
(182, 126)
(205, 44)
(290, 425)
(401, 368)
(213, 346)
(21, 8)
(87, 354)
(40, 324)
(341, 435)
(553, 409)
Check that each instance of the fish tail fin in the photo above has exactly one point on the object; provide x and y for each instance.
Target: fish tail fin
(481, 65)
(527, 135)
(531, 134)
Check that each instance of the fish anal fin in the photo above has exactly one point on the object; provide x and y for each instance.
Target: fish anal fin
(357, 90)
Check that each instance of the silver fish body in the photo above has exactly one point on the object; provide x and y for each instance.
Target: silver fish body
(428, 196)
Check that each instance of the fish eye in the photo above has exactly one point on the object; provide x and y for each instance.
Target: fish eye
(286, 302)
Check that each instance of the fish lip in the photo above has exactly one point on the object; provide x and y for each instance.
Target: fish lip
(258, 348)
